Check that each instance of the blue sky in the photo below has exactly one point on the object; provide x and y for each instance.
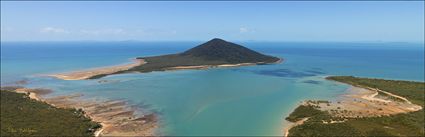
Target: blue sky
(193, 21)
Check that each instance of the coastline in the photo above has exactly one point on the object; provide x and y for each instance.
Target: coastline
(115, 116)
(359, 102)
(33, 93)
(89, 73)
(86, 74)
(293, 124)
(211, 66)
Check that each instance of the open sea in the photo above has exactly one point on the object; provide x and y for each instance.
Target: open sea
(250, 100)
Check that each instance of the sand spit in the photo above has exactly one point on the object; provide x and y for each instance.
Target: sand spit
(85, 74)
(116, 116)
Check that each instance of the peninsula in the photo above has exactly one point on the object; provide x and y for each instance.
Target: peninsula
(372, 107)
(214, 53)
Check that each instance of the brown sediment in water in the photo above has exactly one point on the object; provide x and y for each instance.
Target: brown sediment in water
(116, 116)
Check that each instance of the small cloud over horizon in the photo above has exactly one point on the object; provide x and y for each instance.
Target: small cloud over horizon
(243, 30)
(117, 31)
(53, 30)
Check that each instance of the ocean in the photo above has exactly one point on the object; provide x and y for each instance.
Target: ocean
(249, 100)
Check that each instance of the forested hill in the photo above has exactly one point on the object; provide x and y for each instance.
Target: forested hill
(218, 49)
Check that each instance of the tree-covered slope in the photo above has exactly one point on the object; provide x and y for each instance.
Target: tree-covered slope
(220, 50)
(22, 116)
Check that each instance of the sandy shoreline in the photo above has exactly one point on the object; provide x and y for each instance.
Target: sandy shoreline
(117, 117)
(85, 74)
(361, 102)
(210, 66)
(33, 93)
(293, 124)
(220, 66)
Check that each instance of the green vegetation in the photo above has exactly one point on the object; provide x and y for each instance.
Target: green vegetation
(22, 116)
(303, 111)
(408, 124)
(166, 61)
(309, 129)
(213, 52)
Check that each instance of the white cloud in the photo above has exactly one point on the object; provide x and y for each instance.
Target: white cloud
(53, 30)
(243, 30)
(104, 32)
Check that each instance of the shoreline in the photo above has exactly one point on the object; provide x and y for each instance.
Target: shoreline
(210, 66)
(87, 74)
(115, 116)
(359, 102)
(201, 67)
(293, 124)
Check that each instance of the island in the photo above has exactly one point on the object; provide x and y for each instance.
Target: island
(214, 53)
(372, 107)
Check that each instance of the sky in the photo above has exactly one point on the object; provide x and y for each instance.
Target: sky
(379, 21)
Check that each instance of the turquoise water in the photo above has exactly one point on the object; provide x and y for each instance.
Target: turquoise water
(249, 100)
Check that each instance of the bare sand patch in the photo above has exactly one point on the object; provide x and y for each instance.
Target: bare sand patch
(366, 102)
(293, 124)
(33, 93)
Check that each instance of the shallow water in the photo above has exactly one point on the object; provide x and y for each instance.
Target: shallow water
(251, 100)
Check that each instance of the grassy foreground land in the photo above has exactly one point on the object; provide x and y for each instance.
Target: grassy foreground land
(406, 124)
(22, 116)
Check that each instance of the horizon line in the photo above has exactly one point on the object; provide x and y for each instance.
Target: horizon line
(306, 41)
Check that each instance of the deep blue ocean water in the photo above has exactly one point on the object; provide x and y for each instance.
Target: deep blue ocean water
(250, 100)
